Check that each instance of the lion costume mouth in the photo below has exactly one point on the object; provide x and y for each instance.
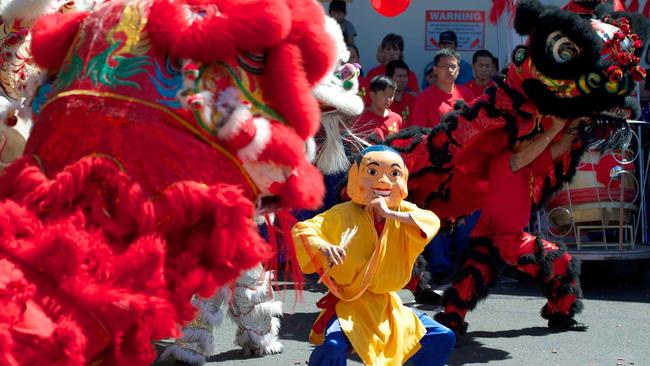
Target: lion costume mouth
(607, 130)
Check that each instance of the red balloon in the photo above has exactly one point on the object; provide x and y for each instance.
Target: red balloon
(390, 8)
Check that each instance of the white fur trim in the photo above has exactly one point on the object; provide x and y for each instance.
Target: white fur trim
(251, 151)
(265, 174)
(331, 157)
(240, 115)
(202, 337)
(330, 89)
(213, 318)
(258, 338)
(333, 29)
(7, 106)
(26, 9)
(310, 149)
(86, 5)
(346, 102)
(250, 297)
(175, 352)
(258, 317)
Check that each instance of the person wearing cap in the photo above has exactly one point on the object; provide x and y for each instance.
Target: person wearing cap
(393, 49)
(448, 39)
(338, 10)
(439, 98)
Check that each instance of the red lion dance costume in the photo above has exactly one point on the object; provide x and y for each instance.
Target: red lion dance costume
(572, 67)
(166, 124)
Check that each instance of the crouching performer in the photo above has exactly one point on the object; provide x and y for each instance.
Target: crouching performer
(364, 250)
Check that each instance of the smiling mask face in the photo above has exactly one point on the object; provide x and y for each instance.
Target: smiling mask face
(378, 173)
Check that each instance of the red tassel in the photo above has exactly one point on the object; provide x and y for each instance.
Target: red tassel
(272, 239)
(633, 7)
(646, 9)
(498, 8)
(292, 270)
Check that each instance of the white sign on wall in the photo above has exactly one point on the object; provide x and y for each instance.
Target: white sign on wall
(469, 26)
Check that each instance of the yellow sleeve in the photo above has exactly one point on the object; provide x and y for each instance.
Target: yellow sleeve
(308, 238)
(427, 223)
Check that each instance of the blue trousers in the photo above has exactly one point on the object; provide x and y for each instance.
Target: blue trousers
(439, 248)
(436, 344)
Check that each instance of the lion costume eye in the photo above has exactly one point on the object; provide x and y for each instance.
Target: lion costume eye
(561, 47)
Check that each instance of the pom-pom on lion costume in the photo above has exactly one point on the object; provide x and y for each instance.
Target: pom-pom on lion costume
(166, 125)
(577, 67)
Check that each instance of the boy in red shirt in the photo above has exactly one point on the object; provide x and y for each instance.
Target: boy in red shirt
(404, 101)
(378, 119)
(484, 66)
(393, 49)
(439, 98)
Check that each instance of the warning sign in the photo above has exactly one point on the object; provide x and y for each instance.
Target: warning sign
(469, 26)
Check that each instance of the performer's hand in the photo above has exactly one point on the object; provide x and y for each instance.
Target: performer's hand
(334, 255)
(378, 204)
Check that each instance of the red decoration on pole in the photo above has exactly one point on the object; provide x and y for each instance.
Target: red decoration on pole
(498, 8)
(646, 9)
(633, 7)
(390, 8)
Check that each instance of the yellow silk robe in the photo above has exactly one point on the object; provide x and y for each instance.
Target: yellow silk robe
(381, 330)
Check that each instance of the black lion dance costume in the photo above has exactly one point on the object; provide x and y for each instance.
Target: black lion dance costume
(566, 91)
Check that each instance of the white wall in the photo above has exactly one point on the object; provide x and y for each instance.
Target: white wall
(371, 27)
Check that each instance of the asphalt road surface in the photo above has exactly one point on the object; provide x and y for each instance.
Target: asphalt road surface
(506, 329)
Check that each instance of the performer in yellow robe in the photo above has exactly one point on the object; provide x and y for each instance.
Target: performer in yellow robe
(364, 250)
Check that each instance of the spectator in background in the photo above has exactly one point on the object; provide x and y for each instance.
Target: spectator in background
(364, 84)
(392, 47)
(429, 77)
(338, 10)
(484, 66)
(448, 39)
(379, 55)
(404, 101)
(378, 119)
(355, 58)
(439, 98)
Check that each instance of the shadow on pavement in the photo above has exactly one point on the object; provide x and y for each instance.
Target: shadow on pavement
(604, 280)
(513, 333)
(296, 326)
(232, 355)
(470, 351)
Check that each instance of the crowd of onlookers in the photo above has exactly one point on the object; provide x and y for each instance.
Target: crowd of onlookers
(393, 97)
(395, 100)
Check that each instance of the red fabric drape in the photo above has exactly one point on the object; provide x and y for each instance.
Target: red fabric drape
(633, 6)
(498, 8)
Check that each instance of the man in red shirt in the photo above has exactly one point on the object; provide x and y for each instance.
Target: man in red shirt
(439, 98)
(393, 49)
(484, 66)
(404, 101)
(378, 119)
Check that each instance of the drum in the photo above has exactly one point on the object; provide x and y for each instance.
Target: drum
(604, 185)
